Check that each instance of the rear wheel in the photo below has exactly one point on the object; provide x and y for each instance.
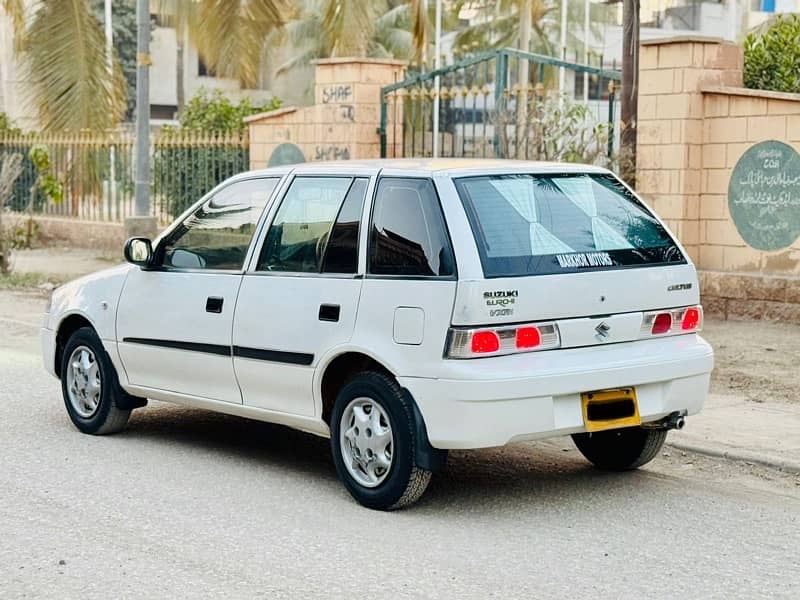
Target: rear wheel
(90, 386)
(620, 449)
(373, 442)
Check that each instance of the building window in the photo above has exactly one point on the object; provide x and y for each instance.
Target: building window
(165, 112)
(203, 70)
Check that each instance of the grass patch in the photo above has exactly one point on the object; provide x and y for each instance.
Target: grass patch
(41, 282)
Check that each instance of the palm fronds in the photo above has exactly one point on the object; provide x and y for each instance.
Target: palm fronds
(64, 51)
(230, 34)
(349, 25)
(15, 9)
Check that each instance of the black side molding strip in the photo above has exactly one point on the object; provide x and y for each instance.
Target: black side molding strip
(177, 345)
(293, 358)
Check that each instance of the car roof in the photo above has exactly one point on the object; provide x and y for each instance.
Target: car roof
(456, 167)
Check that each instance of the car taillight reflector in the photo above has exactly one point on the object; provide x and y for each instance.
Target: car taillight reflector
(691, 319)
(508, 339)
(672, 321)
(484, 342)
(528, 337)
(661, 324)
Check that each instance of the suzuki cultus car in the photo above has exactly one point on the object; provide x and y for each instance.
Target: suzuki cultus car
(401, 308)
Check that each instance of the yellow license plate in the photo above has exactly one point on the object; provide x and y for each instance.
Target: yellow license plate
(610, 409)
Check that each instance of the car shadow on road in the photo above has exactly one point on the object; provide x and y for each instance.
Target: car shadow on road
(528, 472)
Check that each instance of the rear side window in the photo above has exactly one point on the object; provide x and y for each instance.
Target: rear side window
(298, 236)
(341, 255)
(546, 224)
(408, 235)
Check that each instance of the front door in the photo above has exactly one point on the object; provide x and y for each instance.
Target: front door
(174, 320)
(301, 297)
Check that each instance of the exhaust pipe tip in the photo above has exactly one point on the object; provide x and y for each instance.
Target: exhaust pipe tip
(676, 421)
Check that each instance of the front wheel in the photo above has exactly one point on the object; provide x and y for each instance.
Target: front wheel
(90, 387)
(373, 442)
(620, 449)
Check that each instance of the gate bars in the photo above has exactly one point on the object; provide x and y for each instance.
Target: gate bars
(484, 105)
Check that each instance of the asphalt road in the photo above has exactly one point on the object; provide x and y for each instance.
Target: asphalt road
(189, 504)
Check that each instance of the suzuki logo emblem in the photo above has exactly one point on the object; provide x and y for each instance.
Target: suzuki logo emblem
(603, 331)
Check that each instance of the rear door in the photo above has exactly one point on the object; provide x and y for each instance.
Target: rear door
(301, 297)
(564, 246)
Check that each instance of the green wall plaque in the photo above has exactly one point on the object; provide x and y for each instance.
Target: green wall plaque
(764, 195)
(286, 154)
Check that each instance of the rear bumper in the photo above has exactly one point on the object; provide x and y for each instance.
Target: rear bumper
(495, 401)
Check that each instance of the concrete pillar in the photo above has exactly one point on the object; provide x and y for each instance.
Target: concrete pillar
(343, 122)
(669, 159)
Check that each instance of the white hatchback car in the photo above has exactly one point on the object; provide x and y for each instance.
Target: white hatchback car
(402, 308)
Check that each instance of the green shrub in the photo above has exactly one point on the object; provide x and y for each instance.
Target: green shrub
(772, 56)
(217, 113)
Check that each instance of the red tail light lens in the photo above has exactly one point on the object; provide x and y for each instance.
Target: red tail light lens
(464, 342)
(691, 319)
(485, 341)
(672, 321)
(662, 323)
(528, 337)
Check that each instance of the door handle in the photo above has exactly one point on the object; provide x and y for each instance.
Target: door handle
(214, 304)
(329, 312)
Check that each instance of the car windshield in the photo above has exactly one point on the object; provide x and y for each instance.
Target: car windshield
(546, 224)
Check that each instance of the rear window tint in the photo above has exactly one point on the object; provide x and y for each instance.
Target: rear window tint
(545, 224)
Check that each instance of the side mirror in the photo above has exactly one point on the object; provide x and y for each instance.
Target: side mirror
(139, 251)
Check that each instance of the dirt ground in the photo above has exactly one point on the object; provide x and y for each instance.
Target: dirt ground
(755, 359)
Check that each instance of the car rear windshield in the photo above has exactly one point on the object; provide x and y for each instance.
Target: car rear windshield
(546, 224)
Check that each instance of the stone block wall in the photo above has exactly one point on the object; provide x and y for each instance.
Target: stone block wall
(670, 127)
(695, 122)
(736, 119)
(342, 124)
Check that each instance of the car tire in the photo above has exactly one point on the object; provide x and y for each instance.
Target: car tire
(365, 408)
(90, 386)
(620, 449)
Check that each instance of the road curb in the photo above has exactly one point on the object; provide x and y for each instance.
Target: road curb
(787, 465)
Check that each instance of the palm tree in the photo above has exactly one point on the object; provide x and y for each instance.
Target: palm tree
(230, 35)
(62, 45)
(370, 28)
(497, 25)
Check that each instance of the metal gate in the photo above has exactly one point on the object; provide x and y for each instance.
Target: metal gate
(503, 104)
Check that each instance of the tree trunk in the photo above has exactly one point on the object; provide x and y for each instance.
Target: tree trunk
(5, 263)
(630, 90)
(522, 79)
(180, 91)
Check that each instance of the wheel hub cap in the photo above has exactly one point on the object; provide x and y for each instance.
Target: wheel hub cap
(83, 382)
(366, 441)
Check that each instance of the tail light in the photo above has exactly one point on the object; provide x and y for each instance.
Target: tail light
(691, 319)
(672, 321)
(497, 341)
(661, 324)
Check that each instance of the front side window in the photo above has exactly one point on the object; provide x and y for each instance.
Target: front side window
(217, 235)
(546, 224)
(408, 236)
(298, 237)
